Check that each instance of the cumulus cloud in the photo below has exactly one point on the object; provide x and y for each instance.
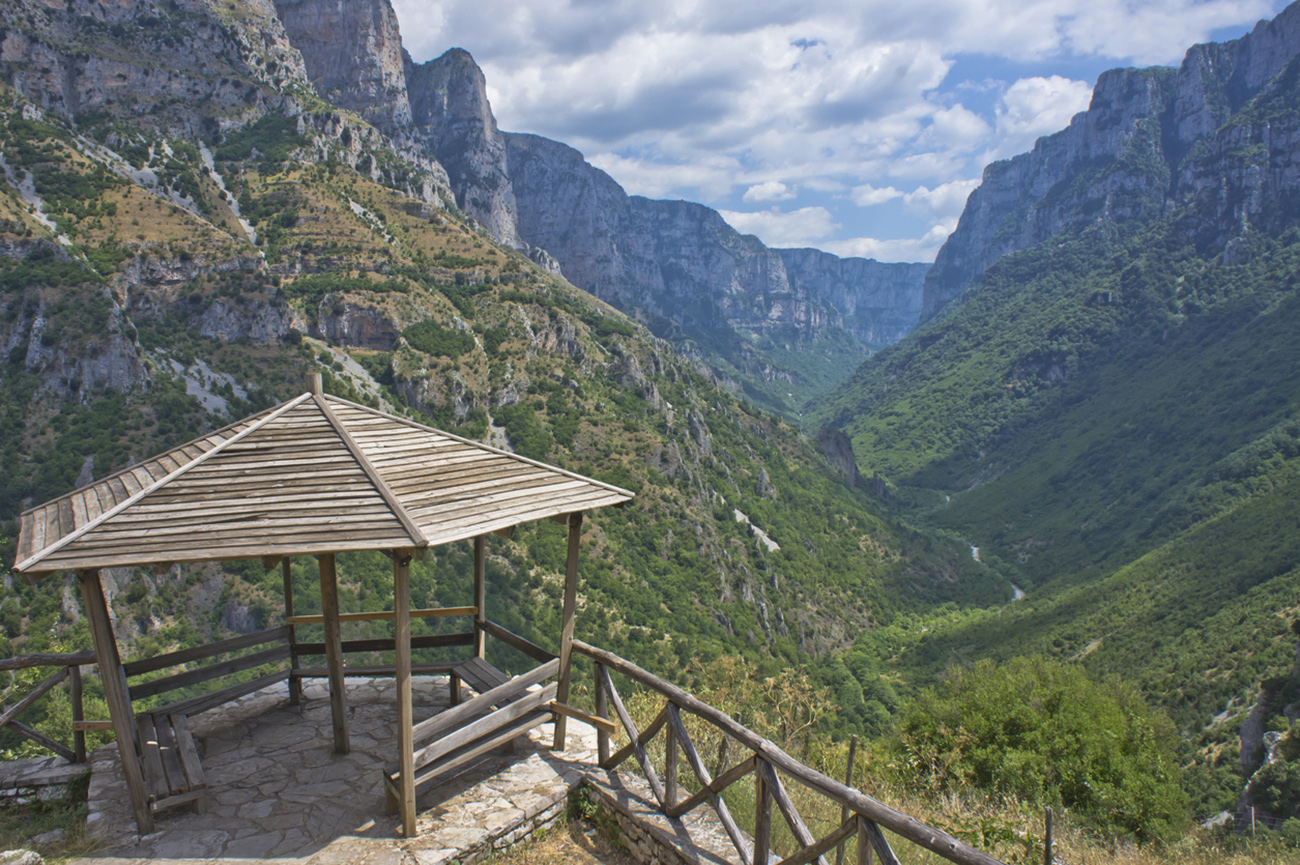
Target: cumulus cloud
(820, 105)
(923, 248)
(1037, 106)
(766, 192)
(806, 226)
(867, 195)
(942, 202)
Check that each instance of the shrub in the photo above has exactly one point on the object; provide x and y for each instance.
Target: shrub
(1046, 733)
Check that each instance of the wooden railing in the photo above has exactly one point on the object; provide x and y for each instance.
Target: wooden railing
(70, 669)
(861, 817)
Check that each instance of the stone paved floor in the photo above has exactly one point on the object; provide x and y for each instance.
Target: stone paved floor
(277, 790)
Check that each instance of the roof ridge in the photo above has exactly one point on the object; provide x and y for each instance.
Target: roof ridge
(487, 447)
(171, 476)
(390, 498)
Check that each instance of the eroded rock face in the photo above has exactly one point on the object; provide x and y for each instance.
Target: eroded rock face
(449, 104)
(682, 262)
(104, 56)
(1121, 159)
(353, 54)
(880, 302)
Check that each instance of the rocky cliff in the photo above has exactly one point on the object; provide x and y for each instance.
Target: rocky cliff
(880, 303)
(449, 104)
(1153, 143)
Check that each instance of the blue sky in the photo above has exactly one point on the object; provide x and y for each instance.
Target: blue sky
(855, 126)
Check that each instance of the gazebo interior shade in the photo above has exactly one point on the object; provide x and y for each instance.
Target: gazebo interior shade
(313, 475)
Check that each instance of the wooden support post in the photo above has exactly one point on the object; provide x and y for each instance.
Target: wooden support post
(295, 684)
(405, 714)
(480, 594)
(762, 818)
(602, 711)
(670, 768)
(1047, 842)
(78, 714)
(848, 782)
(119, 704)
(566, 625)
(329, 602)
(864, 841)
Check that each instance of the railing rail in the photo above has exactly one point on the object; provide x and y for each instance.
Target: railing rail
(70, 669)
(861, 815)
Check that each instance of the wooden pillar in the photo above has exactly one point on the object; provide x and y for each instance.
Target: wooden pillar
(405, 714)
(329, 602)
(762, 817)
(566, 625)
(295, 684)
(115, 694)
(78, 714)
(480, 595)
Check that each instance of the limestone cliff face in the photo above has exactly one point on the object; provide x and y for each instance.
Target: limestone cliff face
(163, 68)
(880, 302)
(449, 104)
(1153, 142)
(685, 267)
(353, 55)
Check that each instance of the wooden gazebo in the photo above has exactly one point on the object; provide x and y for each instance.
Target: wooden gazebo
(315, 476)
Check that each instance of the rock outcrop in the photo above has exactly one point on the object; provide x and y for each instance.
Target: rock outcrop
(353, 55)
(1154, 142)
(880, 302)
(448, 101)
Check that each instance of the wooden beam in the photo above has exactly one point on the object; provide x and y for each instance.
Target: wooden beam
(329, 602)
(295, 683)
(405, 714)
(35, 694)
(385, 615)
(599, 723)
(566, 625)
(480, 595)
(602, 711)
(526, 647)
(119, 705)
(47, 659)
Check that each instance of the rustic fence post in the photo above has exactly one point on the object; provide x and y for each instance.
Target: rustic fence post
(844, 809)
(762, 816)
(78, 714)
(602, 711)
(1047, 842)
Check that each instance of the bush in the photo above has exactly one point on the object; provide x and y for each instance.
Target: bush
(432, 338)
(1044, 732)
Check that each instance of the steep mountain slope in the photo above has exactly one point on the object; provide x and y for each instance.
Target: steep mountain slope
(1104, 397)
(784, 325)
(1152, 144)
(165, 271)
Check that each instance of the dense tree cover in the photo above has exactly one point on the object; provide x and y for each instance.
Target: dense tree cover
(1045, 733)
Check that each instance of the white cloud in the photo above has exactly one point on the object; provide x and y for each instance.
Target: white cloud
(806, 226)
(942, 202)
(923, 248)
(767, 192)
(867, 195)
(817, 104)
(1037, 106)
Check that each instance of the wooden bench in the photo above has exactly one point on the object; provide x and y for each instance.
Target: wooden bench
(502, 710)
(172, 769)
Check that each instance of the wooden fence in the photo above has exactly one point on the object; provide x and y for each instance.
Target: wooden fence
(70, 669)
(861, 817)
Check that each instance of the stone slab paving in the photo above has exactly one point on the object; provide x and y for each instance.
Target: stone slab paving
(18, 776)
(277, 791)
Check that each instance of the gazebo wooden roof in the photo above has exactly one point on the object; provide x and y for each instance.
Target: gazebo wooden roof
(314, 474)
